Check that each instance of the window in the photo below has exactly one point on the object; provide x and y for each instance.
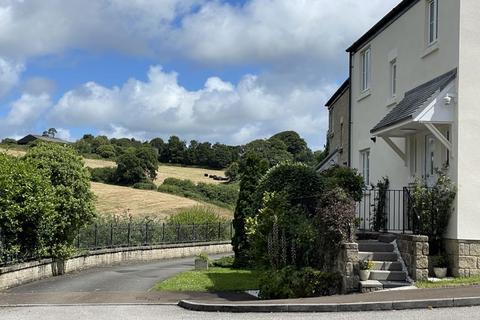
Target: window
(365, 165)
(432, 8)
(366, 65)
(330, 121)
(393, 78)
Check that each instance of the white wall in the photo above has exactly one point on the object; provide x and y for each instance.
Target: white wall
(405, 39)
(468, 199)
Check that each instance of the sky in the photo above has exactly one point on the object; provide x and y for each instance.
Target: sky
(211, 70)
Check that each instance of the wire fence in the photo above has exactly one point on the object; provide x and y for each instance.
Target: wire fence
(117, 234)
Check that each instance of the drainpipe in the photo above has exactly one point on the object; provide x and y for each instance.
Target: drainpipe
(350, 66)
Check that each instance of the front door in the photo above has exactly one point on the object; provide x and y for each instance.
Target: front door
(430, 160)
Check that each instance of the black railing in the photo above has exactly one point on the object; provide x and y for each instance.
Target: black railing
(131, 234)
(386, 211)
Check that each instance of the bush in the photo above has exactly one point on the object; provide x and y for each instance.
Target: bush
(290, 283)
(103, 175)
(145, 186)
(184, 184)
(106, 151)
(232, 171)
(224, 262)
(197, 215)
(138, 165)
(346, 178)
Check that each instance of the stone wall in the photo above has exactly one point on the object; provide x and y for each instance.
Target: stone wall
(414, 250)
(347, 265)
(464, 257)
(18, 274)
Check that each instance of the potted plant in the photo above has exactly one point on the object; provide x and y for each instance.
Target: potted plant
(201, 261)
(365, 267)
(440, 265)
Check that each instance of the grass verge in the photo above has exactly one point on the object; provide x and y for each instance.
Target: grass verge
(215, 279)
(449, 283)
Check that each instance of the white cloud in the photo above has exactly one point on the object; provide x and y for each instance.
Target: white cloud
(38, 85)
(220, 111)
(24, 114)
(9, 75)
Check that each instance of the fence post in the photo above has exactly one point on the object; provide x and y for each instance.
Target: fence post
(163, 231)
(129, 230)
(146, 233)
(111, 234)
(95, 244)
(193, 233)
(78, 238)
(207, 233)
(219, 230)
(231, 230)
(178, 233)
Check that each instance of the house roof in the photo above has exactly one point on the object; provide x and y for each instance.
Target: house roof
(393, 15)
(321, 165)
(44, 138)
(338, 93)
(414, 99)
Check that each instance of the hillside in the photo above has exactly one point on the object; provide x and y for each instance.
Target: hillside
(119, 200)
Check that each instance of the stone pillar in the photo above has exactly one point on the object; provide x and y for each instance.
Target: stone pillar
(463, 257)
(414, 250)
(348, 267)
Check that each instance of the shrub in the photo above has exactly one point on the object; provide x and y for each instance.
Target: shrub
(380, 210)
(232, 171)
(346, 178)
(224, 262)
(106, 151)
(184, 184)
(71, 183)
(103, 175)
(197, 215)
(290, 283)
(137, 165)
(145, 186)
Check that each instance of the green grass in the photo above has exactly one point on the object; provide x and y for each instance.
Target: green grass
(456, 282)
(215, 279)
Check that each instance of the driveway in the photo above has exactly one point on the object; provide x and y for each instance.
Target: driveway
(130, 283)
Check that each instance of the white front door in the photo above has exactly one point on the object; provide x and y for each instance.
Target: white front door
(430, 160)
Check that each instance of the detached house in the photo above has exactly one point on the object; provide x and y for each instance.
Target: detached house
(414, 108)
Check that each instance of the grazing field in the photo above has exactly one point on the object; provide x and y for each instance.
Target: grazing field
(119, 200)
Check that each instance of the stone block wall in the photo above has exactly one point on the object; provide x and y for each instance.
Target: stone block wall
(21, 273)
(463, 256)
(414, 250)
(347, 264)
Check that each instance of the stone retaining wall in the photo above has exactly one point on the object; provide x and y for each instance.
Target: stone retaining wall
(414, 250)
(18, 274)
(464, 257)
(347, 265)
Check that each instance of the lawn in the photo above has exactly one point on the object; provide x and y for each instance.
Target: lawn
(215, 279)
(448, 283)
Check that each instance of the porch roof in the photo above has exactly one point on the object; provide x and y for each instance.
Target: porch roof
(414, 99)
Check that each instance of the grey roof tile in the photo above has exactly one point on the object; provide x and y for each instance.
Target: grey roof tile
(414, 99)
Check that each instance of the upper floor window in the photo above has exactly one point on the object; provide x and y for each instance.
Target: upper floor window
(366, 57)
(393, 78)
(432, 8)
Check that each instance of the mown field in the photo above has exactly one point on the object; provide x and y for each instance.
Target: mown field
(120, 200)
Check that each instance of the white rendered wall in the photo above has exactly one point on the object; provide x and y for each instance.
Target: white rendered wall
(468, 199)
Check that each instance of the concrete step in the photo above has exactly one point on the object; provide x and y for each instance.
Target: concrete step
(387, 265)
(375, 285)
(378, 256)
(387, 238)
(382, 275)
(395, 284)
(375, 246)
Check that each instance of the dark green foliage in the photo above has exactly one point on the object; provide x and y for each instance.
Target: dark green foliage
(103, 175)
(251, 170)
(175, 150)
(295, 145)
(347, 179)
(274, 151)
(137, 165)
(197, 215)
(145, 186)
(27, 208)
(380, 210)
(290, 283)
(224, 195)
(224, 262)
(233, 171)
(9, 141)
(301, 184)
(71, 183)
(106, 151)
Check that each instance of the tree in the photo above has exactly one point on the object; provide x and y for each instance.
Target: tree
(135, 166)
(70, 180)
(295, 144)
(106, 151)
(274, 151)
(159, 145)
(232, 171)
(27, 208)
(52, 132)
(251, 170)
(176, 149)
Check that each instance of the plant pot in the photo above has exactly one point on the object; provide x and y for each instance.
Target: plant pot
(440, 272)
(201, 264)
(364, 275)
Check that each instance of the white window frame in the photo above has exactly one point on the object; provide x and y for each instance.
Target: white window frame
(366, 64)
(432, 21)
(365, 165)
(393, 78)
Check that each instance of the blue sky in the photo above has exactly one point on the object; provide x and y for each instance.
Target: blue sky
(227, 71)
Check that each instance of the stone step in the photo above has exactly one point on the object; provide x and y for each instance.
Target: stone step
(378, 256)
(375, 246)
(387, 265)
(375, 285)
(382, 275)
(395, 284)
